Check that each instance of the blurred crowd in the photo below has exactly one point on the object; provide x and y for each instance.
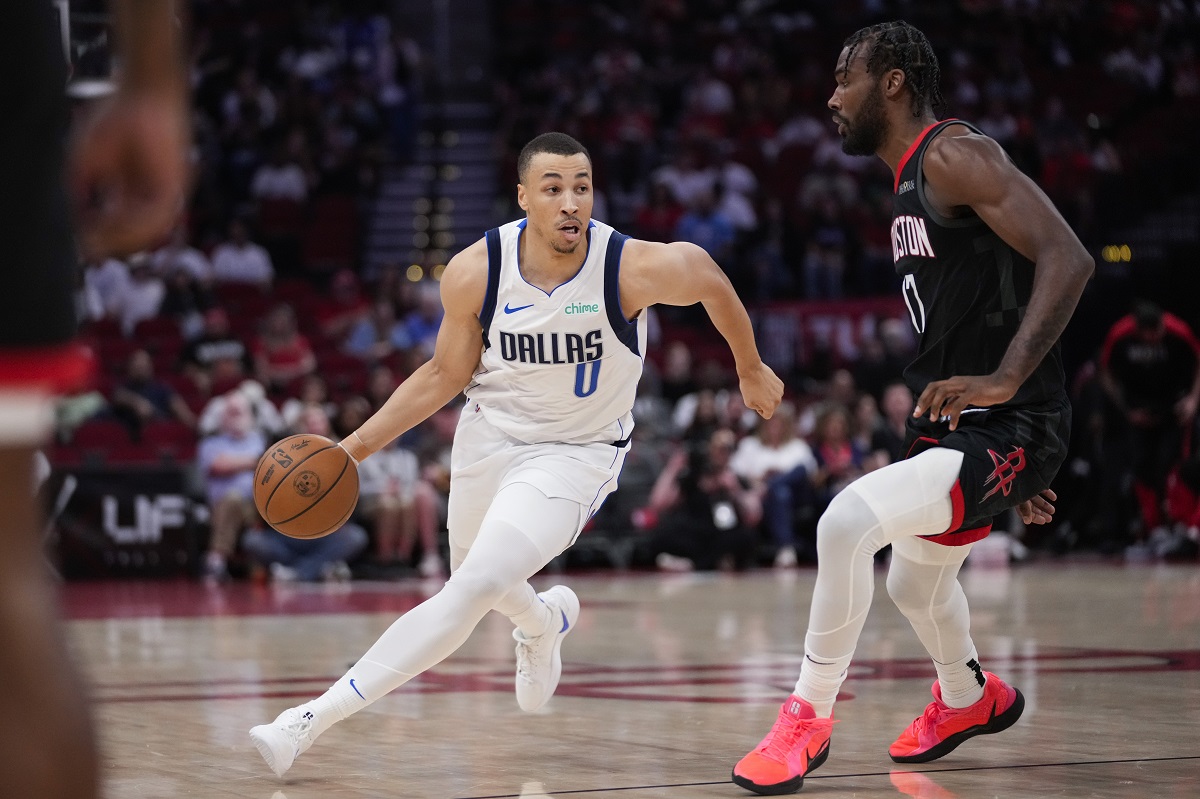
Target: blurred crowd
(706, 122)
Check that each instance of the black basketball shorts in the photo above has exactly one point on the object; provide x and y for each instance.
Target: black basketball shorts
(1009, 456)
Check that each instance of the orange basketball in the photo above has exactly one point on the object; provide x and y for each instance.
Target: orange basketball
(305, 486)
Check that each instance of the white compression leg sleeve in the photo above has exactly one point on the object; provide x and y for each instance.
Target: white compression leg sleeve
(518, 536)
(923, 582)
(904, 499)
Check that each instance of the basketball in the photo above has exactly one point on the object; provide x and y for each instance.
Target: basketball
(305, 486)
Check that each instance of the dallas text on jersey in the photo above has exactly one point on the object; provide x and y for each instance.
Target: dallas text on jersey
(551, 348)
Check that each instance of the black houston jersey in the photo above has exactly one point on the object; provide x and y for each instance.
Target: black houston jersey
(966, 289)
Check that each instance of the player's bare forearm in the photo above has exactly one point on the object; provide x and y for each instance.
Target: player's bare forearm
(729, 317)
(149, 43)
(1058, 283)
(427, 390)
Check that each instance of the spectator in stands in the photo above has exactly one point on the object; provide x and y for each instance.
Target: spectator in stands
(281, 352)
(677, 378)
(179, 255)
(658, 217)
(378, 335)
(290, 559)
(249, 102)
(264, 416)
(1138, 64)
(351, 413)
(226, 464)
(887, 441)
(313, 391)
(185, 301)
(143, 294)
(381, 384)
(839, 458)
(401, 508)
(825, 257)
(141, 397)
(279, 179)
(423, 322)
(216, 358)
(778, 466)
(705, 514)
(239, 260)
(346, 309)
(707, 226)
(106, 281)
(866, 422)
(1150, 369)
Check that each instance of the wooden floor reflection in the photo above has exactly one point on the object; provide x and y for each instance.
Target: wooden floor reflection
(668, 681)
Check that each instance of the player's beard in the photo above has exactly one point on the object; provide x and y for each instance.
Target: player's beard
(866, 135)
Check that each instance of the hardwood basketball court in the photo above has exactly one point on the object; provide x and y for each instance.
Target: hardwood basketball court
(668, 680)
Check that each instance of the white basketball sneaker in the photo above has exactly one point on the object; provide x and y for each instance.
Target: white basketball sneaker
(285, 738)
(539, 664)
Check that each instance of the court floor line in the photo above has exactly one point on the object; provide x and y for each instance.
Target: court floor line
(1010, 767)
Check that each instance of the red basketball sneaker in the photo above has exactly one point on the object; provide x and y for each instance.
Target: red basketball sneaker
(941, 728)
(797, 744)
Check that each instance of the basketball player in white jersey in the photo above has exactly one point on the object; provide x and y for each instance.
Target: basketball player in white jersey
(544, 330)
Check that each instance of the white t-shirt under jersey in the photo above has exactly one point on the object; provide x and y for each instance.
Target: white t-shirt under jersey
(558, 366)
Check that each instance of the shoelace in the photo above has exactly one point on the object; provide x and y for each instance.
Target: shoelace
(934, 715)
(299, 727)
(782, 738)
(525, 659)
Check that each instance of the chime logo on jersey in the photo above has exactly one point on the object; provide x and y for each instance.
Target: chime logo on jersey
(909, 237)
(551, 348)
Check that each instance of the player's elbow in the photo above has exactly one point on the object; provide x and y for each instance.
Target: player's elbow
(448, 379)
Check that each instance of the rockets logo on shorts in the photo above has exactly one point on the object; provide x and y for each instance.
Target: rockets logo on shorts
(1005, 471)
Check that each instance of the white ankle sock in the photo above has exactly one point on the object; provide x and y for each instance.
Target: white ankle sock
(354, 691)
(961, 681)
(536, 617)
(819, 682)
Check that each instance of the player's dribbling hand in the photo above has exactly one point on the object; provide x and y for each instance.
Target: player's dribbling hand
(949, 398)
(762, 390)
(128, 171)
(1038, 510)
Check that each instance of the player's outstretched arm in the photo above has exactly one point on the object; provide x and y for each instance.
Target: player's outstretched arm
(455, 357)
(684, 274)
(974, 171)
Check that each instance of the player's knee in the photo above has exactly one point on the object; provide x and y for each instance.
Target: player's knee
(845, 523)
(908, 595)
(480, 585)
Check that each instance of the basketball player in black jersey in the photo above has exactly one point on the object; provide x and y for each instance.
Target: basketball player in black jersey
(128, 168)
(991, 274)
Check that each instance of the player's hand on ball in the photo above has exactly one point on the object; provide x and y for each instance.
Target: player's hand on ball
(1038, 510)
(943, 399)
(762, 390)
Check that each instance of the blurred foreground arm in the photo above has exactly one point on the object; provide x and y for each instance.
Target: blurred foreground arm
(128, 162)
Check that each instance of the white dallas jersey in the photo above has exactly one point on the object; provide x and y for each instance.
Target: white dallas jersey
(561, 366)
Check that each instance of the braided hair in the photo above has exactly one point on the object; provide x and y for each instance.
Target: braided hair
(898, 45)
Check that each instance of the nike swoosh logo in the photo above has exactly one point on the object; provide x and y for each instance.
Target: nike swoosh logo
(355, 687)
(566, 624)
(519, 308)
